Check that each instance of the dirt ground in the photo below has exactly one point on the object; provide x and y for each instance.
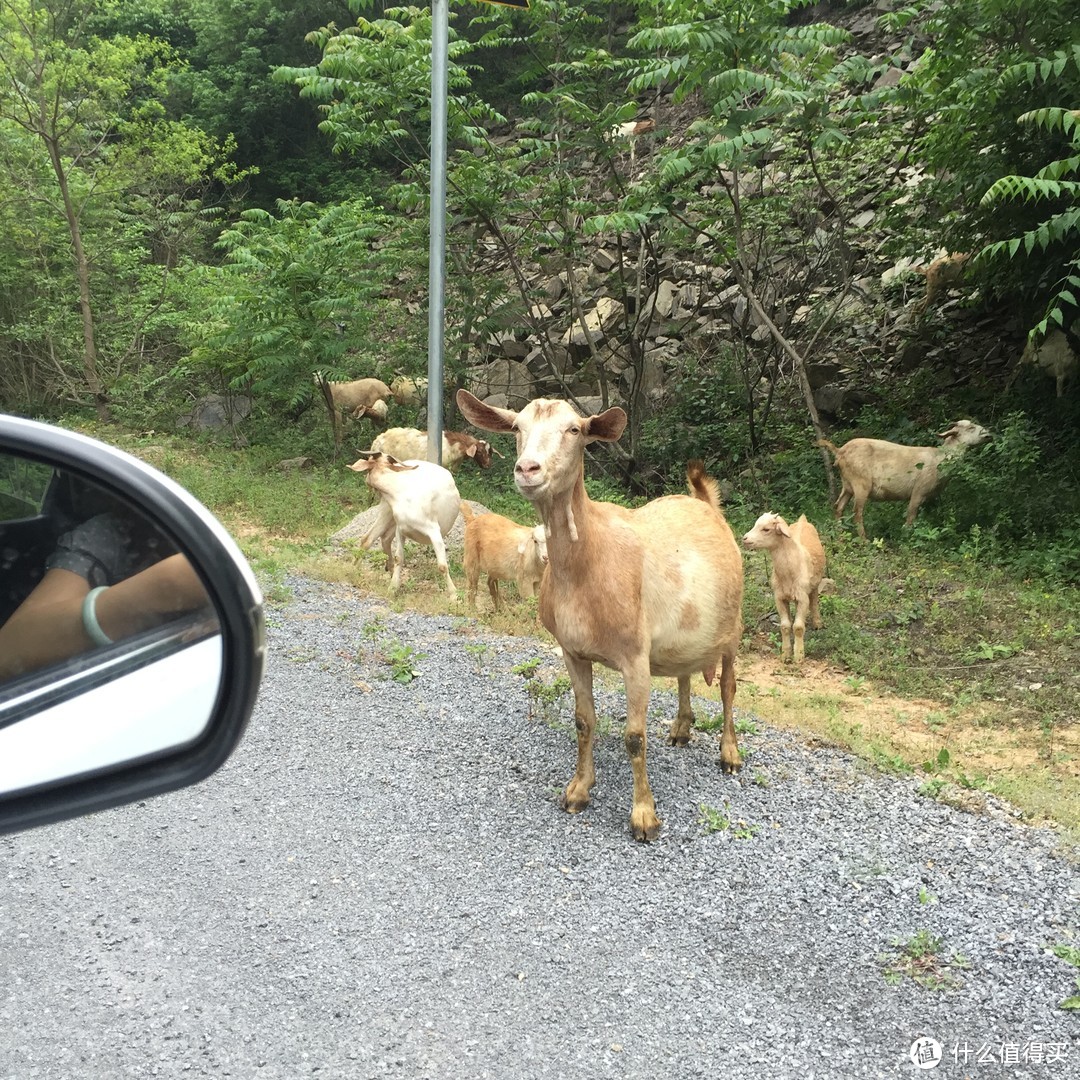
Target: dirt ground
(1036, 770)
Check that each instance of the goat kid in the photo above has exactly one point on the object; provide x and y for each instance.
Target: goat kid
(798, 565)
(419, 501)
(652, 591)
(941, 274)
(891, 472)
(505, 551)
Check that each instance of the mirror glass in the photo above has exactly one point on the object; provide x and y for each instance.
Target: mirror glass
(110, 649)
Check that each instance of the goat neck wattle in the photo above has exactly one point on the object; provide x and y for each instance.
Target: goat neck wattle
(560, 511)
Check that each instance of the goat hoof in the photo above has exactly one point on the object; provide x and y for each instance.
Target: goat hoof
(644, 824)
(679, 735)
(574, 800)
(730, 765)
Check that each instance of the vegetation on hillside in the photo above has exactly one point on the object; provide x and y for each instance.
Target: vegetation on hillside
(206, 198)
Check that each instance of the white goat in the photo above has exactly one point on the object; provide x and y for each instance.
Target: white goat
(876, 469)
(798, 565)
(630, 131)
(652, 591)
(419, 501)
(412, 444)
(1054, 355)
(362, 397)
(505, 551)
(406, 391)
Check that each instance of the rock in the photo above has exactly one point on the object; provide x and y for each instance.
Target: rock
(597, 321)
(295, 464)
(217, 411)
(510, 378)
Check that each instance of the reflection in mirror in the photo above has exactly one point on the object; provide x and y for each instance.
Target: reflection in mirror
(109, 646)
(153, 707)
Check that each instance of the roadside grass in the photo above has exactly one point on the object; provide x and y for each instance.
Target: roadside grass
(918, 653)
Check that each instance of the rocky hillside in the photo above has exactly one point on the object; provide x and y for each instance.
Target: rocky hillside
(839, 304)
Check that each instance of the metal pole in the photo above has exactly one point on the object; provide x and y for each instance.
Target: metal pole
(437, 228)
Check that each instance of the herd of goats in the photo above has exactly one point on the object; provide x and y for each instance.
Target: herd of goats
(652, 591)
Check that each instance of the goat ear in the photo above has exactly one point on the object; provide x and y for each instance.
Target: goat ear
(954, 430)
(484, 416)
(607, 427)
(399, 466)
(360, 466)
(471, 451)
(782, 529)
(522, 546)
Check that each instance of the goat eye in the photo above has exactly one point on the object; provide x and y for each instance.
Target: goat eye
(575, 430)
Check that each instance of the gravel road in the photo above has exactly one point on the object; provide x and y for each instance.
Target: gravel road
(381, 883)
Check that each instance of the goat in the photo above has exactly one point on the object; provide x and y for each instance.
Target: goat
(1055, 355)
(362, 397)
(630, 132)
(876, 469)
(505, 551)
(652, 591)
(798, 565)
(940, 274)
(419, 501)
(406, 391)
(412, 444)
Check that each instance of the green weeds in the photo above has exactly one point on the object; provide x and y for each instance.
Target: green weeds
(922, 959)
(713, 820)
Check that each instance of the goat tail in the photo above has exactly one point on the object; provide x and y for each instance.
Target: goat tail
(826, 445)
(466, 511)
(701, 486)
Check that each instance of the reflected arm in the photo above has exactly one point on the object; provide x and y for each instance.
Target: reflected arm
(48, 626)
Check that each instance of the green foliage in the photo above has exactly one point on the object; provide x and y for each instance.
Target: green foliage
(1070, 954)
(714, 820)
(94, 170)
(402, 660)
(1058, 234)
(225, 88)
(299, 292)
(982, 520)
(990, 62)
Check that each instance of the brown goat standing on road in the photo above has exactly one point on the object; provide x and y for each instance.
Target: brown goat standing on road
(652, 591)
(891, 472)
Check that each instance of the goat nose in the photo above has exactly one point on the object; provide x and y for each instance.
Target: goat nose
(526, 468)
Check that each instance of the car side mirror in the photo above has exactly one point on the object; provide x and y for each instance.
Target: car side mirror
(91, 719)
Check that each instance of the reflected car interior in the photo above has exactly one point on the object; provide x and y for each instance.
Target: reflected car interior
(157, 709)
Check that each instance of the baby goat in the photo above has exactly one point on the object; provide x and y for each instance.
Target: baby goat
(411, 444)
(505, 551)
(1054, 355)
(362, 397)
(798, 565)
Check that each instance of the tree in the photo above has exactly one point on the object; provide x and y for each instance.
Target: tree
(82, 135)
(299, 291)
